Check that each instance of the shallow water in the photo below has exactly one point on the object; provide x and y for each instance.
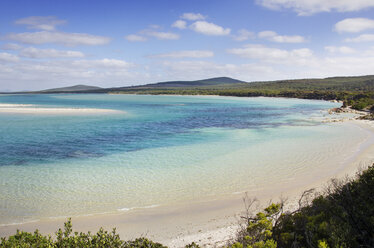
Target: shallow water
(160, 150)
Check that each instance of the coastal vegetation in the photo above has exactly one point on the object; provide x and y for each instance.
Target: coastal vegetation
(357, 92)
(340, 217)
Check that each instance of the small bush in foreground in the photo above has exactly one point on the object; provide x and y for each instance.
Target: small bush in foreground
(66, 238)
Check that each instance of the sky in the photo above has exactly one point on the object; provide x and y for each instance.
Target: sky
(51, 43)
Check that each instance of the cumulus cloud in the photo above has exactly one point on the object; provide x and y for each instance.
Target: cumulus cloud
(135, 38)
(47, 23)
(192, 16)
(179, 24)
(361, 38)
(340, 49)
(274, 37)
(185, 54)
(308, 7)
(67, 39)
(354, 25)
(32, 52)
(209, 28)
(7, 57)
(273, 55)
(243, 35)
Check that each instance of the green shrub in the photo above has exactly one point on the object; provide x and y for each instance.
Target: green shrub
(66, 239)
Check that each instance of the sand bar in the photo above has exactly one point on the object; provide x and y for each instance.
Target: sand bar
(34, 109)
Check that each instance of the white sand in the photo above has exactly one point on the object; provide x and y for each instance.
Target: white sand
(33, 109)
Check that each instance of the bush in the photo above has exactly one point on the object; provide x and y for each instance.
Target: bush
(65, 238)
(343, 217)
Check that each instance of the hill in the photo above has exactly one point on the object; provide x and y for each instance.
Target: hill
(181, 84)
(75, 88)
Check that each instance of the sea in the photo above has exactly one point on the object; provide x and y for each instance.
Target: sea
(158, 150)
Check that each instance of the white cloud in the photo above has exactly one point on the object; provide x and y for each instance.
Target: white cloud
(354, 25)
(32, 52)
(346, 66)
(11, 46)
(273, 55)
(179, 24)
(243, 35)
(370, 51)
(309, 7)
(67, 39)
(274, 37)
(7, 57)
(135, 38)
(154, 26)
(361, 38)
(100, 63)
(192, 16)
(152, 31)
(161, 35)
(340, 49)
(209, 28)
(185, 54)
(47, 23)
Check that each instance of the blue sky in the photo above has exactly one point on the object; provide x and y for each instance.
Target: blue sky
(46, 44)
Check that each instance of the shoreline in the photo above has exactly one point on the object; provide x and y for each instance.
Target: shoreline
(207, 223)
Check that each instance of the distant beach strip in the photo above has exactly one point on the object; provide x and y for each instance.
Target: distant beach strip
(37, 109)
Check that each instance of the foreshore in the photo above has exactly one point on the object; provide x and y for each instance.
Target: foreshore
(211, 222)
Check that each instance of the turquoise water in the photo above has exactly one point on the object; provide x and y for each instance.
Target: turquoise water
(159, 150)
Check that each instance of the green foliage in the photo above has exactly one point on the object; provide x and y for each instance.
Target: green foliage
(341, 218)
(25, 239)
(66, 238)
(192, 245)
(258, 231)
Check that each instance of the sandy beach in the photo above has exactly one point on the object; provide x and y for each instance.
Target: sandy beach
(210, 223)
(34, 109)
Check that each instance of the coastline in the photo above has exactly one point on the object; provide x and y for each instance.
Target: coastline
(208, 223)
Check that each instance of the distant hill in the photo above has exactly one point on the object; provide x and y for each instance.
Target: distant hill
(203, 82)
(75, 88)
(183, 84)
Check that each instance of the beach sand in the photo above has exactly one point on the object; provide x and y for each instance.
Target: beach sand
(211, 223)
(34, 109)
